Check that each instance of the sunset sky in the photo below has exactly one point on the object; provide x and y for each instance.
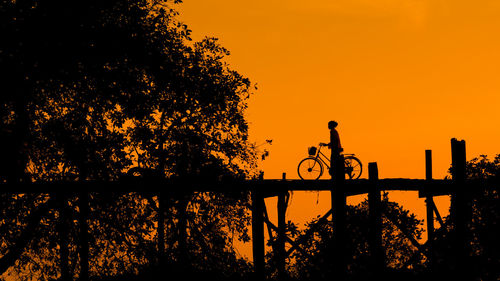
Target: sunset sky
(400, 76)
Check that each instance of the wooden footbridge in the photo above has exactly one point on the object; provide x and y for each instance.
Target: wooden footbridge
(458, 188)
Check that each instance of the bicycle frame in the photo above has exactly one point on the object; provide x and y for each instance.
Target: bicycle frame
(322, 157)
(353, 166)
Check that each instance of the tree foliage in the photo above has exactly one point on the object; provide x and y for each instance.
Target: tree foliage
(84, 82)
(483, 229)
(314, 261)
(90, 89)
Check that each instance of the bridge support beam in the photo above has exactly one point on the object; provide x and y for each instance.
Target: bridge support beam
(63, 232)
(460, 210)
(281, 254)
(84, 235)
(161, 229)
(258, 245)
(338, 193)
(429, 203)
(375, 221)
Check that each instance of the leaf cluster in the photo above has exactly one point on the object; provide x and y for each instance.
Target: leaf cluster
(314, 261)
(93, 88)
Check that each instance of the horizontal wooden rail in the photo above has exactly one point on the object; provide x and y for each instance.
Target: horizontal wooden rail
(267, 187)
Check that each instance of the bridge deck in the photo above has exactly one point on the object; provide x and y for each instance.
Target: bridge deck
(267, 187)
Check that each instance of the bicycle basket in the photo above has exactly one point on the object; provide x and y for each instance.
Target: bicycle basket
(312, 150)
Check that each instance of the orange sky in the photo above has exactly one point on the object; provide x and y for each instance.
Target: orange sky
(400, 76)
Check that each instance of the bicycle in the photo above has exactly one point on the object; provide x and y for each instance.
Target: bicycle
(311, 168)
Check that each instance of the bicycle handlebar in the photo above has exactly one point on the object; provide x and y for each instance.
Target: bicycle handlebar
(326, 144)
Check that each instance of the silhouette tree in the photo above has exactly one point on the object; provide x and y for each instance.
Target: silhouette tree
(86, 83)
(54, 59)
(199, 127)
(484, 229)
(314, 261)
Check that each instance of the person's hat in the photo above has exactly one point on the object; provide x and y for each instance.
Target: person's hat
(332, 124)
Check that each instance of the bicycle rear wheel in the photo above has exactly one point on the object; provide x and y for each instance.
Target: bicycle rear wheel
(353, 167)
(310, 169)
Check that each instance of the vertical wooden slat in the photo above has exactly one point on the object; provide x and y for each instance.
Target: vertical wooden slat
(182, 250)
(375, 219)
(339, 216)
(428, 164)
(258, 245)
(84, 236)
(430, 210)
(161, 229)
(459, 209)
(281, 254)
(63, 232)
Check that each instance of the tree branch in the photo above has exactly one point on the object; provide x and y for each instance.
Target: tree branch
(18, 246)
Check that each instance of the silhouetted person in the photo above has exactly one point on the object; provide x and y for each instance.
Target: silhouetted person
(334, 138)
(335, 146)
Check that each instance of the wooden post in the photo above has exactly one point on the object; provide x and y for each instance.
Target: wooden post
(84, 236)
(458, 160)
(428, 164)
(258, 234)
(430, 211)
(63, 232)
(375, 218)
(459, 210)
(339, 217)
(161, 230)
(281, 233)
(182, 250)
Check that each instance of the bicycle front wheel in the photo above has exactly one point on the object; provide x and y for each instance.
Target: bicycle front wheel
(353, 167)
(310, 169)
